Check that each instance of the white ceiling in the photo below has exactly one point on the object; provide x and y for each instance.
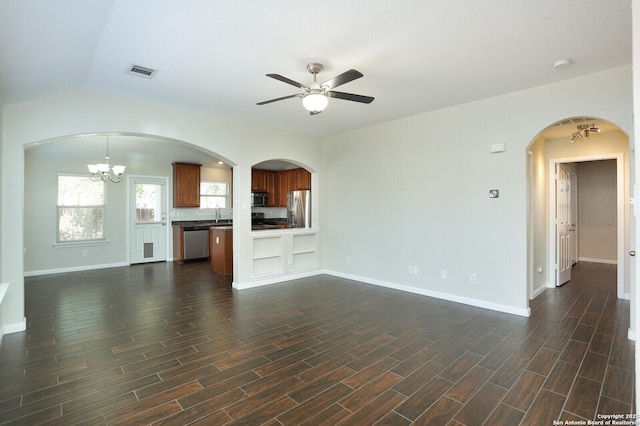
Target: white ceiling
(416, 55)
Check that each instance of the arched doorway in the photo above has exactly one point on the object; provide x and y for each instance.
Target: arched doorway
(553, 147)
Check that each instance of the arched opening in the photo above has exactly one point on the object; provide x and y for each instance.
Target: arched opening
(281, 195)
(595, 230)
(148, 160)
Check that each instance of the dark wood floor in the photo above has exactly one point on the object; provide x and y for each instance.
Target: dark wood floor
(169, 344)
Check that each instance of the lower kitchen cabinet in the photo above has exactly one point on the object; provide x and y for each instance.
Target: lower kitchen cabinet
(221, 249)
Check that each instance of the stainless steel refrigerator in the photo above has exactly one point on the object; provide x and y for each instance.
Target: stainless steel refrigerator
(299, 209)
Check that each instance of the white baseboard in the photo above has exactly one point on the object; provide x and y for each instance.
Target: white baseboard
(74, 269)
(16, 327)
(592, 260)
(524, 312)
(537, 292)
(275, 279)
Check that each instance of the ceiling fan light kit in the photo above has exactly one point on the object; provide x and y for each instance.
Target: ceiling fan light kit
(315, 102)
(315, 97)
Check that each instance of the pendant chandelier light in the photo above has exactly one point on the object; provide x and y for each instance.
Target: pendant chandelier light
(584, 130)
(104, 171)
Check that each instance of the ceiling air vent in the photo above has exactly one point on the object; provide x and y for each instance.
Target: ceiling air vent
(142, 71)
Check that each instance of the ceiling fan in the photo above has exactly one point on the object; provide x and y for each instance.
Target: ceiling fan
(315, 97)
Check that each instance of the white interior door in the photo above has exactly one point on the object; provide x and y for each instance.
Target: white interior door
(147, 220)
(563, 224)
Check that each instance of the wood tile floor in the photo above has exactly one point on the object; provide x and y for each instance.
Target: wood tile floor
(169, 344)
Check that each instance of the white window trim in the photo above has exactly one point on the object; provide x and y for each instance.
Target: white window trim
(95, 242)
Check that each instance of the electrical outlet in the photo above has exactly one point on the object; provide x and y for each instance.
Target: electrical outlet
(290, 260)
(84, 253)
(473, 279)
(444, 274)
(410, 269)
(348, 259)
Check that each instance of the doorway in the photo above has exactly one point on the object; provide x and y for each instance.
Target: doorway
(147, 207)
(553, 146)
(606, 210)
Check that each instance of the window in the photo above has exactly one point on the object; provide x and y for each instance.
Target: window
(148, 203)
(214, 195)
(80, 209)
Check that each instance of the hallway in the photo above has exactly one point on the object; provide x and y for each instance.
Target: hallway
(171, 344)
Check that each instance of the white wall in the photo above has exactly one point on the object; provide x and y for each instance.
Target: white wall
(415, 191)
(538, 211)
(635, 319)
(242, 144)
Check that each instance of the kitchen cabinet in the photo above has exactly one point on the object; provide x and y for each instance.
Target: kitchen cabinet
(283, 188)
(186, 185)
(221, 249)
(303, 179)
(259, 180)
(297, 179)
(273, 188)
(278, 183)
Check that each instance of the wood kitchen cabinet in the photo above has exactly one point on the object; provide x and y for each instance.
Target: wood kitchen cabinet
(278, 183)
(186, 185)
(297, 179)
(303, 179)
(259, 180)
(273, 188)
(283, 187)
(221, 249)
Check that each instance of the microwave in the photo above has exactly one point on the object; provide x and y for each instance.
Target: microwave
(259, 199)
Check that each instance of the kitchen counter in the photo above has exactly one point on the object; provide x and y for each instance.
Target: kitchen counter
(203, 223)
(265, 226)
(185, 252)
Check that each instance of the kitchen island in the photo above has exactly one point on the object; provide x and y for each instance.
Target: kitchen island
(221, 249)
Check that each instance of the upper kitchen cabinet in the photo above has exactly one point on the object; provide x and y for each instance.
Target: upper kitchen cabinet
(303, 179)
(186, 185)
(277, 182)
(259, 180)
(295, 179)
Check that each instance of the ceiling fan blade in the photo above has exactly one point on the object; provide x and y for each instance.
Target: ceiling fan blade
(341, 79)
(351, 97)
(287, 80)
(279, 99)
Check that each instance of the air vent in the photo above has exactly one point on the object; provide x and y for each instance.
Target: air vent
(142, 71)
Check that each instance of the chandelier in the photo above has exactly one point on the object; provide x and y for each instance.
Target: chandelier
(584, 130)
(104, 171)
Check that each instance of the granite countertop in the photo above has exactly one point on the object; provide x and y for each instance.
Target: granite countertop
(220, 222)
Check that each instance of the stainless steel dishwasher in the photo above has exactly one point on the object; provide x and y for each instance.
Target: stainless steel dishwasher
(196, 242)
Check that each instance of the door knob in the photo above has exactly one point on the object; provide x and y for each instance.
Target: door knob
(632, 253)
